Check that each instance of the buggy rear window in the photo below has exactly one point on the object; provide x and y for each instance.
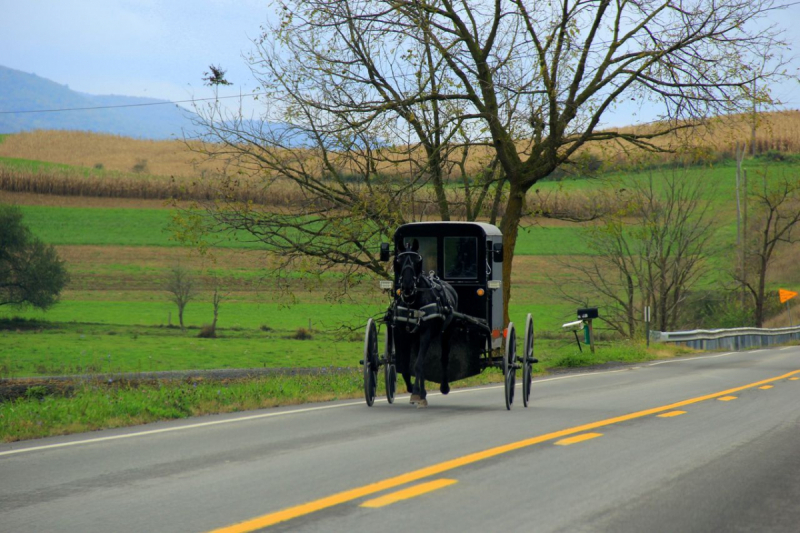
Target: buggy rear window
(460, 257)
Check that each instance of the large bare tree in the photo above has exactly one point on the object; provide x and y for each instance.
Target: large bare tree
(775, 208)
(648, 254)
(394, 110)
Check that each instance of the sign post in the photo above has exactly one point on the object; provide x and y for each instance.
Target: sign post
(785, 296)
(647, 324)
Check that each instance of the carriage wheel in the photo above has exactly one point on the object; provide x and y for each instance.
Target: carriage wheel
(390, 371)
(527, 363)
(509, 369)
(370, 362)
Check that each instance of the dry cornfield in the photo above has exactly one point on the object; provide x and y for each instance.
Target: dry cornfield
(146, 169)
(72, 183)
(113, 152)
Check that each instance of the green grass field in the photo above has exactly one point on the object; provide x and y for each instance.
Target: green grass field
(151, 227)
(114, 329)
(114, 318)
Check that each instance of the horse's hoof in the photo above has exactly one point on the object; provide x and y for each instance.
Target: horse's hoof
(415, 399)
(422, 404)
(444, 388)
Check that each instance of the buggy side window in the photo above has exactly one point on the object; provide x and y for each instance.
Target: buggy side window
(427, 249)
(460, 257)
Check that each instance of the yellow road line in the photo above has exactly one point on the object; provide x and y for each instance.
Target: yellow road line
(578, 438)
(411, 492)
(793, 379)
(727, 398)
(766, 387)
(671, 414)
(304, 509)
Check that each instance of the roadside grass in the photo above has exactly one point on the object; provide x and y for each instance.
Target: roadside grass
(99, 405)
(96, 405)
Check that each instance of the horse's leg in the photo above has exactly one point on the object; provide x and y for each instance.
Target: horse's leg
(419, 369)
(446, 334)
(404, 366)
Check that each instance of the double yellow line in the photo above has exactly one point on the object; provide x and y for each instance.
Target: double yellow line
(433, 470)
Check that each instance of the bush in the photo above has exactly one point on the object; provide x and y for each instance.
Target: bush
(37, 392)
(302, 334)
(265, 328)
(208, 332)
(140, 167)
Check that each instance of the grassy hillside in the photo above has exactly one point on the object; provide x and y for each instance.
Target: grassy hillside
(115, 315)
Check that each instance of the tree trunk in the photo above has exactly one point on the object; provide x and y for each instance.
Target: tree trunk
(180, 317)
(510, 228)
(631, 310)
(762, 282)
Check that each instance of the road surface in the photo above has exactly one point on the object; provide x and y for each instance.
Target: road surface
(708, 443)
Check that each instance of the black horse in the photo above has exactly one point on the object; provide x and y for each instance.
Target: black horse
(426, 305)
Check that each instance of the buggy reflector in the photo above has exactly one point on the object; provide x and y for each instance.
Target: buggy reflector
(495, 333)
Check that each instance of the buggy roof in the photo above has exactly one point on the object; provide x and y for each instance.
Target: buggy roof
(488, 229)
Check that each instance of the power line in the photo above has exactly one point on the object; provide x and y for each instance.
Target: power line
(170, 102)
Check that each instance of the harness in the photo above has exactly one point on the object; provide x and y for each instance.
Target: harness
(443, 307)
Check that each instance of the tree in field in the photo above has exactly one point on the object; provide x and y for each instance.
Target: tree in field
(650, 254)
(400, 110)
(775, 208)
(30, 271)
(180, 285)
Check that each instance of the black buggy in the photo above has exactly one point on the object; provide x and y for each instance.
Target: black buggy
(467, 256)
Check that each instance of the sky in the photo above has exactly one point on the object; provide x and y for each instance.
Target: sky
(161, 48)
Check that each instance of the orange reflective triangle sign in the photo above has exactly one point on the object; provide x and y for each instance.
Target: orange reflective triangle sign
(785, 295)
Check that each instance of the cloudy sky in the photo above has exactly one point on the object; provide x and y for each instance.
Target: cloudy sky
(161, 48)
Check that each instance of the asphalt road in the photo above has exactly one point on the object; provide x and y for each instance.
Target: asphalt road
(595, 452)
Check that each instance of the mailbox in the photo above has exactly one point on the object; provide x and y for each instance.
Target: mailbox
(587, 313)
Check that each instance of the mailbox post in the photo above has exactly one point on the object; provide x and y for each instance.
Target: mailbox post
(587, 314)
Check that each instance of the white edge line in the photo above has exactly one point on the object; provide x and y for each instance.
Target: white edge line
(270, 415)
(693, 358)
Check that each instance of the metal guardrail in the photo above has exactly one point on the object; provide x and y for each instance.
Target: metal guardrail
(728, 339)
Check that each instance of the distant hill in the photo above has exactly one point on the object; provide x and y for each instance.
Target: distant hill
(23, 91)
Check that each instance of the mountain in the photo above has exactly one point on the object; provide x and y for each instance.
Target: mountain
(22, 91)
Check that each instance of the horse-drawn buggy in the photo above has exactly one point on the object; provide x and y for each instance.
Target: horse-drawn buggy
(445, 320)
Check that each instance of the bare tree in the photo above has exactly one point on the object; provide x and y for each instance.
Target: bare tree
(180, 285)
(775, 212)
(216, 300)
(371, 90)
(650, 253)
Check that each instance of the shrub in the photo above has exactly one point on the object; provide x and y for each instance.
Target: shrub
(140, 167)
(208, 331)
(265, 328)
(302, 334)
(37, 392)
